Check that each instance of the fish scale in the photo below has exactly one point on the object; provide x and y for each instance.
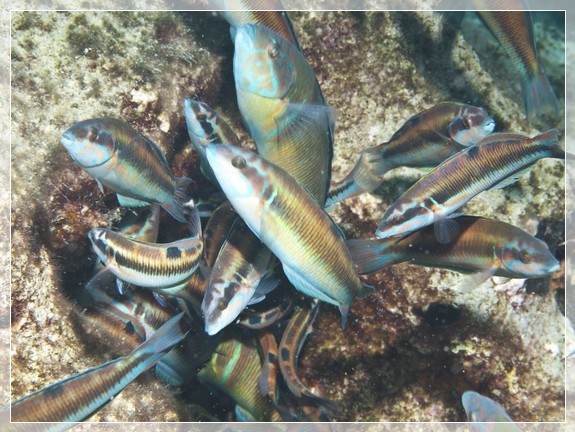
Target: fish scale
(457, 180)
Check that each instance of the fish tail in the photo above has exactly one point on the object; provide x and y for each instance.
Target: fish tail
(538, 96)
(372, 255)
(164, 339)
(177, 206)
(550, 139)
(364, 177)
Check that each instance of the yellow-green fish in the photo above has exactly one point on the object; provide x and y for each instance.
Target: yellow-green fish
(486, 414)
(290, 223)
(132, 165)
(425, 140)
(283, 107)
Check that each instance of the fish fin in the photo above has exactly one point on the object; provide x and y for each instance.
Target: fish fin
(100, 186)
(122, 286)
(233, 33)
(511, 179)
(446, 228)
(308, 289)
(344, 311)
(155, 148)
(160, 299)
(164, 339)
(263, 288)
(370, 256)
(131, 202)
(500, 280)
(538, 97)
(100, 280)
(243, 415)
(470, 282)
(177, 206)
(193, 219)
(303, 116)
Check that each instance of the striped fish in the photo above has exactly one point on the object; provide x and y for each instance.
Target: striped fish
(217, 231)
(514, 31)
(425, 140)
(498, 161)
(257, 320)
(161, 267)
(486, 414)
(283, 108)
(240, 267)
(269, 352)
(77, 398)
(297, 330)
(235, 368)
(206, 126)
(480, 245)
(290, 223)
(131, 164)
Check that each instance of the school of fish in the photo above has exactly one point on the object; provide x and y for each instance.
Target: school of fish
(269, 252)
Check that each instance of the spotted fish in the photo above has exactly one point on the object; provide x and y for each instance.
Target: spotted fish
(268, 379)
(258, 320)
(78, 397)
(298, 328)
(425, 140)
(161, 267)
(242, 264)
(206, 126)
(235, 368)
(132, 165)
(514, 31)
(486, 414)
(496, 162)
(283, 108)
(480, 245)
(290, 222)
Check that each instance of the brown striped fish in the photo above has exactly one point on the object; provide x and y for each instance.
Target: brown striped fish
(130, 164)
(235, 368)
(161, 267)
(425, 140)
(258, 320)
(290, 223)
(78, 397)
(269, 352)
(295, 334)
(496, 162)
(514, 31)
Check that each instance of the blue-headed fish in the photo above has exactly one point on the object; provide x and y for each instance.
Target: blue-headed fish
(298, 328)
(514, 31)
(240, 267)
(495, 162)
(283, 108)
(130, 164)
(78, 397)
(480, 245)
(425, 140)
(205, 126)
(486, 414)
(290, 223)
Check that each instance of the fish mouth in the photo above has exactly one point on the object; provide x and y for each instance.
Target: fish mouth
(67, 139)
(553, 268)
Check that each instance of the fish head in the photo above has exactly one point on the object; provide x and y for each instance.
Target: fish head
(263, 62)
(89, 142)
(528, 257)
(481, 409)
(99, 239)
(242, 176)
(201, 121)
(472, 126)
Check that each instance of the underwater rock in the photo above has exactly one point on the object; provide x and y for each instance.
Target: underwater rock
(376, 69)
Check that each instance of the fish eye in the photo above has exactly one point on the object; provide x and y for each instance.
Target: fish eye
(222, 305)
(273, 50)
(525, 257)
(93, 135)
(239, 162)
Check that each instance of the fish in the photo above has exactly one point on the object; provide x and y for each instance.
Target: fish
(257, 320)
(481, 245)
(235, 368)
(241, 265)
(78, 397)
(269, 353)
(514, 31)
(425, 140)
(299, 232)
(206, 126)
(267, 13)
(283, 108)
(132, 165)
(217, 231)
(495, 162)
(488, 414)
(161, 267)
(295, 334)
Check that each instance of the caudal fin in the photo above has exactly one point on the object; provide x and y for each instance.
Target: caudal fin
(172, 332)
(177, 206)
(370, 256)
(538, 97)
